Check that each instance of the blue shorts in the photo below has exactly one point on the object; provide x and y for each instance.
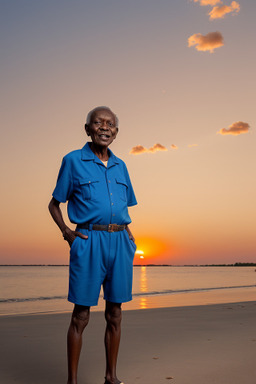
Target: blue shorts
(105, 258)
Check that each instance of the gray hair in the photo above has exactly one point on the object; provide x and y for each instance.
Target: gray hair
(89, 116)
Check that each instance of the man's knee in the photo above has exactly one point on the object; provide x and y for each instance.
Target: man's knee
(113, 314)
(80, 317)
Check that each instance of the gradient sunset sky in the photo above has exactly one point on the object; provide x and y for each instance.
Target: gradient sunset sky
(180, 75)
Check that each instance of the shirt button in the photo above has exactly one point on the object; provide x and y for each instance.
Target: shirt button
(109, 181)
(113, 214)
(112, 203)
(111, 194)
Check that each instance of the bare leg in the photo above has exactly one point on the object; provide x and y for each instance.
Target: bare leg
(113, 315)
(79, 320)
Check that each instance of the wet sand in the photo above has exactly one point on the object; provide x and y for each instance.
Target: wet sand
(210, 344)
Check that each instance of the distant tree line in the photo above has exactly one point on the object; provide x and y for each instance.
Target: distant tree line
(238, 264)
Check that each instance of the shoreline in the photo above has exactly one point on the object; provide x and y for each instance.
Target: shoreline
(60, 313)
(210, 344)
(185, 299)
(236, 264)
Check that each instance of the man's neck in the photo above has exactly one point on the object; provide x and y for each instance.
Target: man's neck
(100, 152)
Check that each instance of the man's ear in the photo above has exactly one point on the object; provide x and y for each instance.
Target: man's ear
(86, 127)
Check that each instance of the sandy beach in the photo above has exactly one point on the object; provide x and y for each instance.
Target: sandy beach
(210, 344)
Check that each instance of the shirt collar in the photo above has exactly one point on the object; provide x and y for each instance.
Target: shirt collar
(87, 154)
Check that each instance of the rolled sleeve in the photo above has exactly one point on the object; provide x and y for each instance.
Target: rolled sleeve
(64, 185)
(131, 199)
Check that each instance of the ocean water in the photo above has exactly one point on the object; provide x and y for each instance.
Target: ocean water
(43, 289)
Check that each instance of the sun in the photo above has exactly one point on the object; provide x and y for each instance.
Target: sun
(140, 253)
(149, 249)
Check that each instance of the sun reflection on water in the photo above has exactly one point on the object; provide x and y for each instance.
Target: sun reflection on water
(143, 287)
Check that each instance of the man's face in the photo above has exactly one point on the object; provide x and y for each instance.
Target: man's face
(102, 127)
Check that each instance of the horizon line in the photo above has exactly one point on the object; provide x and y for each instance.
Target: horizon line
(236, 264)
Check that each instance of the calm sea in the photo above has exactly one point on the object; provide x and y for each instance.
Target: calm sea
(43, 289)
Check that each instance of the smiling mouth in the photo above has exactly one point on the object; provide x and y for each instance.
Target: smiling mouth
(104, 136)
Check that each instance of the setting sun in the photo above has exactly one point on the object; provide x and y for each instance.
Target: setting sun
(149, 249)
(140, 253)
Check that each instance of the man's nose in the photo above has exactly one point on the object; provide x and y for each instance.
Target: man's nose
(104, 125)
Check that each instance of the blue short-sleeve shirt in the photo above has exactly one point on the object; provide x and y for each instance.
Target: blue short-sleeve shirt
(95, 193)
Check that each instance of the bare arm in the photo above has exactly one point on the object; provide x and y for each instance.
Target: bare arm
(68, 234)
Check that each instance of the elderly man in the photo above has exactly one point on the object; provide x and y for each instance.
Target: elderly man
(98, 189)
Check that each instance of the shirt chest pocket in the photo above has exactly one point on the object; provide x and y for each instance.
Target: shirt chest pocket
(122, 188)
(88, 188)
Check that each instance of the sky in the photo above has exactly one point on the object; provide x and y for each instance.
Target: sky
(180, 75)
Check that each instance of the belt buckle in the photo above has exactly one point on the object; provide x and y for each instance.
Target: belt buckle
(112, 227)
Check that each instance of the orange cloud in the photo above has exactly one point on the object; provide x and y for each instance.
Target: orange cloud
(173, 146)
(235, 129)
(208, 42)
(208, 2)
(221, 11)
(138, 149)
(157, 147)
(192, 145)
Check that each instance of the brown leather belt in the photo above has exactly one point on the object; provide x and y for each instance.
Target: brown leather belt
(99, 227)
